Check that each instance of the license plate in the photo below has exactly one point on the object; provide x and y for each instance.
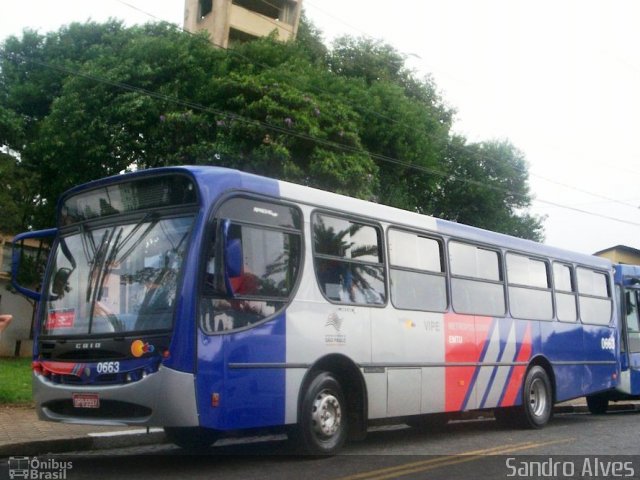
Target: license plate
(86, 400)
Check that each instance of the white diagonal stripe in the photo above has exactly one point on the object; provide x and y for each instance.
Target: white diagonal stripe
(503, 372)
(484, 375)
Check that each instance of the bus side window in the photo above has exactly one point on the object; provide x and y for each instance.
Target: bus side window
(252, 275)
(477, 286)
(348, 260)
(593, 296)
(633, 323)
(418, 280)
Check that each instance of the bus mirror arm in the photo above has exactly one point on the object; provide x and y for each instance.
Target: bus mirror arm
(16, 256)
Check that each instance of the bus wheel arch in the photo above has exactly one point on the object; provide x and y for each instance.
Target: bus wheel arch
(546, 365)
(351, 382)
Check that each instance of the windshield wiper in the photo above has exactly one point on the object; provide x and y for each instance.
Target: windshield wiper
(152, 218)
(97, 261)
(108, 265)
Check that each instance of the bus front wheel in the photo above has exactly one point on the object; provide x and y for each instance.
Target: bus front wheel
(322, 426)
(537, 399)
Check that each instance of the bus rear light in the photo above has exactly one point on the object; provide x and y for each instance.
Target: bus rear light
(166, 354)
(215, 400)
(36, 367)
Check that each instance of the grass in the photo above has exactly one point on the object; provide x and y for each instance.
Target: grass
(15, 380)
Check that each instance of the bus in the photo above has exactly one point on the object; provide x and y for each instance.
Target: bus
(627, 290)
(209, 301)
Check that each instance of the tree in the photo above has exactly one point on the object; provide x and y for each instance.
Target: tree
(92, 100)
(486, 186)
(16, 197)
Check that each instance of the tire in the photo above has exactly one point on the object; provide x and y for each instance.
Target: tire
(322, 423)
(597, 405)
(537, 399)
(191, 438)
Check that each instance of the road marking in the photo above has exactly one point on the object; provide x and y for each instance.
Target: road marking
(432, 464)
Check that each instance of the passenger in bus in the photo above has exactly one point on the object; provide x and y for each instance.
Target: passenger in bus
(355, 290)
(330, 278)
(232, 313)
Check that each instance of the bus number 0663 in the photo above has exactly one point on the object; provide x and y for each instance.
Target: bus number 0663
(108, 367)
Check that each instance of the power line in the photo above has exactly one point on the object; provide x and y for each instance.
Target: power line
(530, 173)
(285, 131)
(577, 189)
(356, 106)
(282, 130)
(338, 19)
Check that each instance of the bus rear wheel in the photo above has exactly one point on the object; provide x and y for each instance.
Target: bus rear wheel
(537, 399)
(322, 426)
(191, 438)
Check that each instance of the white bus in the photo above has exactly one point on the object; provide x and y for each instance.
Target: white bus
(208, 301)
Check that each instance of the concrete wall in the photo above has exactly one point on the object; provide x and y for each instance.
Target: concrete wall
(225, 15)
(617, 255)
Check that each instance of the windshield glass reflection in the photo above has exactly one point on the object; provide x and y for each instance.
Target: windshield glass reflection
(116, 279)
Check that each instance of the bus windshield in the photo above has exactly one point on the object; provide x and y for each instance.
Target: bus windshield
(116, 279)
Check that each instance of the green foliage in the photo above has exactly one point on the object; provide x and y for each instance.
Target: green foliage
(15, 380)
(92, 100)
(487, 187)
(18, 196)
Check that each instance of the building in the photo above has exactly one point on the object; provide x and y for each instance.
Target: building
(621, 254)
(230, 21)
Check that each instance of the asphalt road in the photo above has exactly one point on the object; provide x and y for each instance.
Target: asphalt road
(571, 446)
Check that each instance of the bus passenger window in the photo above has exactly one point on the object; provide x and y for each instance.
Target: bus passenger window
(633, 323)
(476, 280)
(529, 288)
(565, 292)
(594, 296)
(348, 261)
(252, 275)
(417, 272)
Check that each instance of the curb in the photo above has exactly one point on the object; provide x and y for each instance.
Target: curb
(62, 445)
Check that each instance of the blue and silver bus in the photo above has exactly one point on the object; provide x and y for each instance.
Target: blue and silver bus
(206, 301)
(627, 285)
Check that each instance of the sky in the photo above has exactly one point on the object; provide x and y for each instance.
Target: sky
(560, 79)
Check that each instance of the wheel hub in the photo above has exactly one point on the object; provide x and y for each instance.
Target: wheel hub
(327, 414)
(537, 397)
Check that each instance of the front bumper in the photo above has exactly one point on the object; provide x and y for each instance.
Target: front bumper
(165, 398)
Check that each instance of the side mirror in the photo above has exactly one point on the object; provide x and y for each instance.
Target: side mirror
(27, 271)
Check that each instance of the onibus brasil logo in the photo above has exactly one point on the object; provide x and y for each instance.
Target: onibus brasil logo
(34, 468)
